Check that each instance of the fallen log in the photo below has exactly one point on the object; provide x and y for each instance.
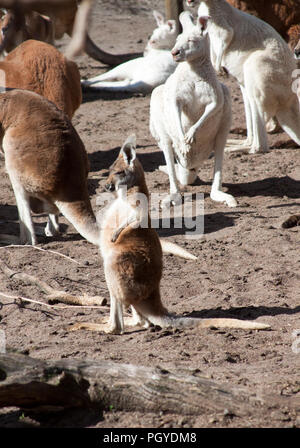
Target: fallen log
(38, 385)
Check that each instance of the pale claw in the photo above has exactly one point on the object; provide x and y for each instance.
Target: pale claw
(189, 136)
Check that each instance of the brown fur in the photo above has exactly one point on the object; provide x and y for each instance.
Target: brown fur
(46, 160)
(133, 260)
(16, 28)
(63, 17)
(39, 67)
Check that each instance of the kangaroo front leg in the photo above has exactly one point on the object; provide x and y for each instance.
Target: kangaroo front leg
(209, 111)
(132, 221)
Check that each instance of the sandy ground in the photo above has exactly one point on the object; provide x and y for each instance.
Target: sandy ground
(248, 266)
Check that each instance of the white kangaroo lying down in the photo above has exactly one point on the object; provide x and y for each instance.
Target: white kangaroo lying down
(141, 75)
(190, 115)
(262, 63)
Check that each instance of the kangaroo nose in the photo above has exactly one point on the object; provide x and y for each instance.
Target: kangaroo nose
(175, 52)
(110, 187)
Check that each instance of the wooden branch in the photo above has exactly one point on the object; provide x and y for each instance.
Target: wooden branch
(52, 295)
(36, 384)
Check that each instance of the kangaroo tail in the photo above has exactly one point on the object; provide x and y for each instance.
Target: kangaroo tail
(172, 248)
(81, 215)
(168, 320)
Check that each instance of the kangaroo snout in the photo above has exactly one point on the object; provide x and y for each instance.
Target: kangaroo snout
(175, 53)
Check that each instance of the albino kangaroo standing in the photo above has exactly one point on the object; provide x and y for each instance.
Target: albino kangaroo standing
(41, 68)
(262, 63)
(190, 115)
(132, 256)
(141, 75)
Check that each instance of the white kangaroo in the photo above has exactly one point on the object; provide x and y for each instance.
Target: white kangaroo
(142, 75)
(262, 63)
(190, 115)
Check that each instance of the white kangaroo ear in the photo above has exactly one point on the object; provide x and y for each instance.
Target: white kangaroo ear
(202, 22)
(172, 25)
(160, 20)
(128, 150)
(186, 19)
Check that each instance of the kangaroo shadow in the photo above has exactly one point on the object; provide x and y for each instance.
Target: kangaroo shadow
(196, 226)
(245, 313)
(90, 95)
(271, 186)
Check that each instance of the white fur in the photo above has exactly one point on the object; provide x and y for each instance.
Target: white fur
(262, 63)
(190, 115)
(143, 74)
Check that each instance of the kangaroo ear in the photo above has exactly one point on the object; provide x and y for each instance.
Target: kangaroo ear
(186, 19)
(160, 20)
(172, 25)
(128, 150)
(202, 22)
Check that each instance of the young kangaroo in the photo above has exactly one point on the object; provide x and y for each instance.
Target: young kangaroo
(41, 68)
(262, 63)
(141, 75)
(132, 256)
(190, 115)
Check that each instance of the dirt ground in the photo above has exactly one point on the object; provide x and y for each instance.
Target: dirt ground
(248, 266)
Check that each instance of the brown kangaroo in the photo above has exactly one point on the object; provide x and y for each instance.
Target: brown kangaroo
(40, 67)
(132, 256)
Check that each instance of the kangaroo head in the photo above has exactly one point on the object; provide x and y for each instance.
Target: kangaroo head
(297, 50)
(192, 43)
(10, 25)
(164, 36)
(126, 170)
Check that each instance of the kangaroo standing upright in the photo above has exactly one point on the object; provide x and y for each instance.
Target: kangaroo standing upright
(190, 115)
(132, 256)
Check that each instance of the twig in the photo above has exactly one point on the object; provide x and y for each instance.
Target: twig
(52, 294)
(39, 248)
(26, 299)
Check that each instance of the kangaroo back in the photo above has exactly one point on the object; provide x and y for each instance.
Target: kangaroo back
(39, 67)
(46, 159)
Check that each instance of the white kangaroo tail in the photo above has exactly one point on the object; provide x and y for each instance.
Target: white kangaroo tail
(119, 86)
(184, 322)
(81, 216)
(174, 249)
